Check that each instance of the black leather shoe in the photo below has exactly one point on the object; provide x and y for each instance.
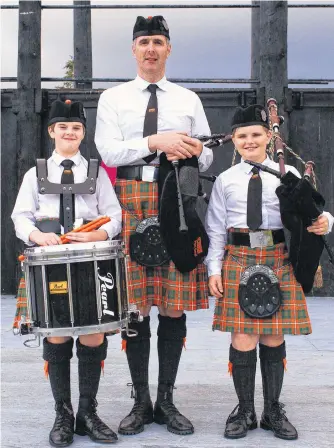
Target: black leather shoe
(63, 428)
(141, 414)
(89, 423)
(165, 412)
(277, 422)
(239, 422)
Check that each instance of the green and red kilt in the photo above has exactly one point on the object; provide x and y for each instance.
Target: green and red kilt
(164, 285)
(21, 303)
(292, 316)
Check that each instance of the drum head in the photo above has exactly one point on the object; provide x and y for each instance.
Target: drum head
(77, 251)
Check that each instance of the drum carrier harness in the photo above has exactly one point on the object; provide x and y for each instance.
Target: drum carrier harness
(67, 190)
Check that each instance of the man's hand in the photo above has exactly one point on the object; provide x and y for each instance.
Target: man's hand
(320, 226)
(86, 237)
(44, 239)
(216, 286)
(176, 145)
(197, 148)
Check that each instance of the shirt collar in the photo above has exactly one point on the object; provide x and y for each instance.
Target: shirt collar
(57, 158)
(247, 168)
(143, 84)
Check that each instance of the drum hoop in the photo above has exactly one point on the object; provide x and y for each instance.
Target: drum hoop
(76, 331)
(80, 251)
(72, 259)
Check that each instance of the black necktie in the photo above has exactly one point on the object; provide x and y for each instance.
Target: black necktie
(254, 200)
(67, 177)
(151, 118)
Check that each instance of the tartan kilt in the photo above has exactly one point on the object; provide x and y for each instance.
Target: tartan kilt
(292, 316)
(21, 303)
(163, 285)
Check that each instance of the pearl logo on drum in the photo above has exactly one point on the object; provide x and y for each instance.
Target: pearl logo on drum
(106, 283)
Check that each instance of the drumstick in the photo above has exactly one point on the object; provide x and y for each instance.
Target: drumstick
(92, 225)
(88, 224)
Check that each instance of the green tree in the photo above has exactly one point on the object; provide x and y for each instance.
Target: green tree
(69, 73)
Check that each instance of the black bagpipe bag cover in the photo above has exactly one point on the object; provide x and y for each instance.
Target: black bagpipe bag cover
(300, 203)
(188, 249)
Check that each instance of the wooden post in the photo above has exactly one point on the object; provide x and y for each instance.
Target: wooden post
(273, 53)
(255, 42)
(27, 107)
(82, 35)
(29, 85)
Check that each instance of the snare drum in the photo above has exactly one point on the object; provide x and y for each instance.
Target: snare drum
(76, 289)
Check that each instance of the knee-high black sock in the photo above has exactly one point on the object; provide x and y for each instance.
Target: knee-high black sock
(272, 369)
(58, 357)
(171, 334)
(138, 351)
(90, 359)
(243, 373)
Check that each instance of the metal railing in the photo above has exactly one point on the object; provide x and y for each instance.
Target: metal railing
(173, 6)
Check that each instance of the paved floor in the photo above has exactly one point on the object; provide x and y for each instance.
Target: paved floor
(204, 389)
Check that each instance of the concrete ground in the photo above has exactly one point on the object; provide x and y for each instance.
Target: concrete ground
(204, 392)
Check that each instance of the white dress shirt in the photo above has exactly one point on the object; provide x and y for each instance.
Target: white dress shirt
(228, 207)
(120, 121)
(31, 206)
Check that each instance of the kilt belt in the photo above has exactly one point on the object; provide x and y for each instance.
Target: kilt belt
(162, 285)
(292, 316)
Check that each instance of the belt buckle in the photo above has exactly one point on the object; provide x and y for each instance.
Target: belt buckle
(262, 238)
(148, 173)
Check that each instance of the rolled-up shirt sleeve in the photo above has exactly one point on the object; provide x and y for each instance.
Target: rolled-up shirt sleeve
(25, 207)
(200, 126)
(109, 139)
(108, 204)
(215, 224)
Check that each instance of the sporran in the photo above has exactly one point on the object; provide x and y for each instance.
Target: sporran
(147, 247)
(260, 295)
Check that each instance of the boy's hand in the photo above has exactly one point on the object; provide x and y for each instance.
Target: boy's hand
(320, 226)
(216, 286)
(86, 237)
(44, 239)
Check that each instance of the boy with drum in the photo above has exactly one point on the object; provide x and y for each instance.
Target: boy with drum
(34, 211)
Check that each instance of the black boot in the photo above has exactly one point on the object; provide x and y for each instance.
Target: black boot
(138, 354)
(166, 413)
(243, 417)
(171, 334)
(272, 369)
(141, 414)
(63, 428)
(58, 357)
(87, 421)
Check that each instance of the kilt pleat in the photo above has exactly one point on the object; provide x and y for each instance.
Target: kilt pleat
(21, 303)
(163, 285)
(292, 316)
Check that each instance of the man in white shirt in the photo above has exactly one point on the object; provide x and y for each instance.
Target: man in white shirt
(258, 297)
(37, 218)
(136, 122)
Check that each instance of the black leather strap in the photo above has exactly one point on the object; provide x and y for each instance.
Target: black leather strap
(242, 239)
(134, 172)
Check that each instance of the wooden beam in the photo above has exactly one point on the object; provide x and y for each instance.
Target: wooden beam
(28, 85)
(273, 52)
(82, 35)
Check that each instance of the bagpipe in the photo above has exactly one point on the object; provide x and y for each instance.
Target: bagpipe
(300, 205)
(179, 187)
